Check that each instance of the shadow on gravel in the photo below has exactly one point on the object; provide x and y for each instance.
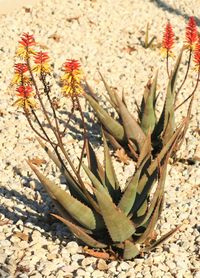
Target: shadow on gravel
(166, 7)
(93, 128)
(38, 214)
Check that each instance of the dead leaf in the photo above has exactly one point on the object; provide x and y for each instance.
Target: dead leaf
(151, 238)
(70, 19)
(129, 49)
(22, 236)
(37, 161)
(96, 254)
(55, 37)
(122, 156)
(30, 139)
(27, 10)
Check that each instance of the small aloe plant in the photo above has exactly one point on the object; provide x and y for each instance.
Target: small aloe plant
(101, 214)
(130, 133)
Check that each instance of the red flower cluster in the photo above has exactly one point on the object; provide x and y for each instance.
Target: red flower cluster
(72, 78)
(27, 40)
(20, 68)
(191, 32)
(71, 65)
(41, 63)
(41, 57)
(24, 91)
(168, 37)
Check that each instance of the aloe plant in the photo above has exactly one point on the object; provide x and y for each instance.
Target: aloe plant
(103, 214)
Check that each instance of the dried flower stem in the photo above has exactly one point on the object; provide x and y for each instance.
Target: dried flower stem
(192, 94)
(167, 64)
(185, 77)
(84, 133)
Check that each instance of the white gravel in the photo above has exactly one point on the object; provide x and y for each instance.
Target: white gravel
(99, 34)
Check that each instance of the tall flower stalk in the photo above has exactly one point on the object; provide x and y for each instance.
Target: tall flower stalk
(191, 36)
(71, 87)
(30, 98)
(167, 44)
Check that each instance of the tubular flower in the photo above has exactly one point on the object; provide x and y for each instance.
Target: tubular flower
(25, 46)
(197, 56)
(72, 78)
(191, 34)
(41, 63)
(20, 69)
(26, 100)
(168, 41)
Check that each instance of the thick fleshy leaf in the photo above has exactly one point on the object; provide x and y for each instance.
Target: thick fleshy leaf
(123, 98)
(131, 250)
(150, 175)
(90, 91)
(70, 181)
(112, 140)
(133, 150)
(128, 197)
(140, 108)
(96, 183)
(83, 214)
(145, 151)
(119, 226)
(152, 222)
(157, 194)
(161, 240)
(80, 233)
(110, 92)
(148, 119)
(132, 129)
(165, 150)
(167, 117)
(110, 176)
(169, 120)
(94, 164)
(111, 125)
(142, 210)
(66, 215)
(174, 74)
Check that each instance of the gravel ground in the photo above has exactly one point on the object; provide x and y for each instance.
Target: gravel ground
(104, 35)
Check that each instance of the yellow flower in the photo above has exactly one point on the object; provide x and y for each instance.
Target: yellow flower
(42, 68)
(72, 78)
(25, 103)
(24, 53)
(164, 52)
(41, 63)
(24, 50)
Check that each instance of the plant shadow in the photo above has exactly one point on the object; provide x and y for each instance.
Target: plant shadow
(166, 7)
(34, 215)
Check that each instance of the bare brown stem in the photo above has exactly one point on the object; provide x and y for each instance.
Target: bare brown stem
(167, 63)
(192, 94)
(185, 77)
(84, 133)
(39, 97)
